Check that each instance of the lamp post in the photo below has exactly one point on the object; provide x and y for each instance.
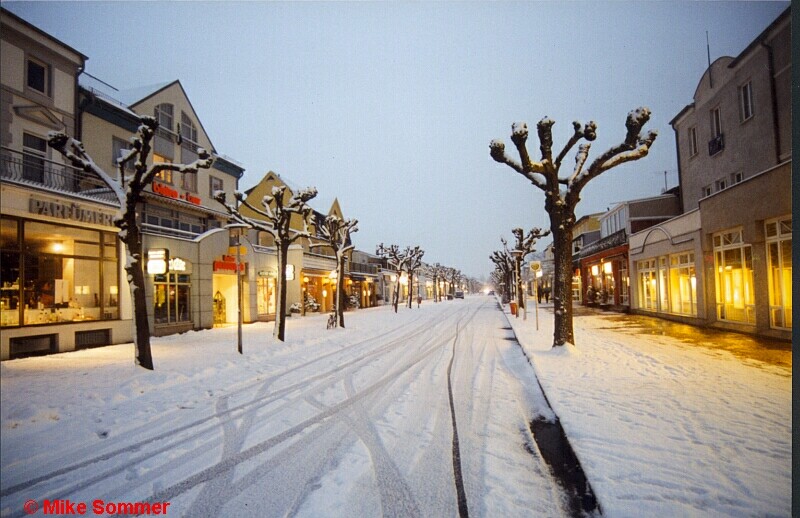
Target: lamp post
(236, 230)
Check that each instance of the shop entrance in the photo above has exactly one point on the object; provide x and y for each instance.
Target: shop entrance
(225, 297)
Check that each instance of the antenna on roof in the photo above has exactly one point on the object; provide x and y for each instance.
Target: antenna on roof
(708, 53)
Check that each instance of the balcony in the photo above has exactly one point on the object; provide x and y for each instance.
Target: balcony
(716, 144)
(370, 269)
(34, 171)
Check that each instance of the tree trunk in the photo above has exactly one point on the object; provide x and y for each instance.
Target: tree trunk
(518, 285)
(133, 267)
(410, 288)
(340, 291)
(280, 313)
(396, 294)
(562, 285)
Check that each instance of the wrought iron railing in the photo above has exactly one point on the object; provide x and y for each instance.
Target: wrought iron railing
(29, 169)
(716, 144)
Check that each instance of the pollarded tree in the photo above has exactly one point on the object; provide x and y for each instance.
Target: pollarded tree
(396, 260)
(522, 247)
(453, 276)
(504, 266)
(562, 194)
(277, 212)
(128, 188)
(336, 234)
(413, 263)
(436, 271)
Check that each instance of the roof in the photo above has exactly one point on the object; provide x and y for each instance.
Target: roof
(29, 25)
(133, 96)
(761, 37)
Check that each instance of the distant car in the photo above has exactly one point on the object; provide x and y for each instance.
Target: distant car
(459, 294)
(490, 292)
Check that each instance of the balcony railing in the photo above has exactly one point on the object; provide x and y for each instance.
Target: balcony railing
(364, 268)
(29, 169)
(716, 144)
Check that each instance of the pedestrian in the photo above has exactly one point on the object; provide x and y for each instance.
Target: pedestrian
(547, 294)
(419, 300)
(539, 293)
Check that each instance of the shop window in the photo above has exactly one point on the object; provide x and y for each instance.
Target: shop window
(647, 284)
(266, 295)
(59, 275)
(779, 257)
(683, 284)
(119, 148)
(734, 275)
(171, 298)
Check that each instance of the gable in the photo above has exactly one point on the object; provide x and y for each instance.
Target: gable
(174, 94)
(40, 115)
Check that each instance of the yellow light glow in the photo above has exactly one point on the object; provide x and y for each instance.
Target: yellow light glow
(113, 290)
(324, 293)
(607, 267)
(305, 279)
(595, 269)
(58, 247)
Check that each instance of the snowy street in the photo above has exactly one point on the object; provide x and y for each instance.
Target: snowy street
(347, 422)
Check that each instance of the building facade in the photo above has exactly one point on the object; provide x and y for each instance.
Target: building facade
(726, 260)
(60, 264)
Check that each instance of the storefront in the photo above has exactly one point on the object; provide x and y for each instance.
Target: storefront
(60, 273)
(605, 274)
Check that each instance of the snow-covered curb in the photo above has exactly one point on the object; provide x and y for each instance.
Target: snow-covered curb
(662, 428)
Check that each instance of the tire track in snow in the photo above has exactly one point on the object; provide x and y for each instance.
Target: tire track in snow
(463, 509)
(229, 413)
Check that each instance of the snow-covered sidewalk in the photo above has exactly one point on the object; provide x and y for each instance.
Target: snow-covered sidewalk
(666, 428)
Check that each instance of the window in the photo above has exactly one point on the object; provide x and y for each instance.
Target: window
(779, 271)
(38, 76)
(59, 274)
(171, 298)
(647, 284)
(692, 141)
(682, 284)
(119, 148)
(716, 123)
(706, 191)
(166, 175)
(736, 178)
(720, 185)
(266, 295)
(34, 150)
(163, 114)
(746, 101)
(189, 182)
(733, 263)
(188, 129)
(214, 184)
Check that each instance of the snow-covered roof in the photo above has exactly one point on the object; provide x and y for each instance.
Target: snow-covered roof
(132, 96)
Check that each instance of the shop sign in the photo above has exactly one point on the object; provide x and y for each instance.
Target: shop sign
(289, 272)
(176, 264)
(228, 264)
(266, 273)
(169, 192)
(70, 211)
(157, 260)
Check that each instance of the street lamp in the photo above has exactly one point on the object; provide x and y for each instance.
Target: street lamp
(235, 230)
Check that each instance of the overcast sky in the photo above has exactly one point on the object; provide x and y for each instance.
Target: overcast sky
(391, 106)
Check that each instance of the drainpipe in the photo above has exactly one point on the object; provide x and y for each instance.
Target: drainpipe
(680, 171)
(774, 95)
(78, 109)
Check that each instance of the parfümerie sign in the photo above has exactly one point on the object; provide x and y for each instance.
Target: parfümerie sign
(70, 211)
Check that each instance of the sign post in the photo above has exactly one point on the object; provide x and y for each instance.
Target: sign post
(536, 268)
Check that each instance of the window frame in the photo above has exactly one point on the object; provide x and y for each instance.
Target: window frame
(716, 122)
(47, 72)
(693, 148)
(746, 102)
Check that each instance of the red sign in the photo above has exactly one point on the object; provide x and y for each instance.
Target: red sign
(228, 266)
(169, 192)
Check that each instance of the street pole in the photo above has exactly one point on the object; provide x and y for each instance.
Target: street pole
(239, 289)
(536, 297)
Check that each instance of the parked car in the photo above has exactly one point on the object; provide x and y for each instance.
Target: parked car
(459, 294)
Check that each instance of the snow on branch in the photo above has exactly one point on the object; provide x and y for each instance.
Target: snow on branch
(74, 151)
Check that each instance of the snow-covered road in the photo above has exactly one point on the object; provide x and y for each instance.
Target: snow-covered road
(349, 422)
